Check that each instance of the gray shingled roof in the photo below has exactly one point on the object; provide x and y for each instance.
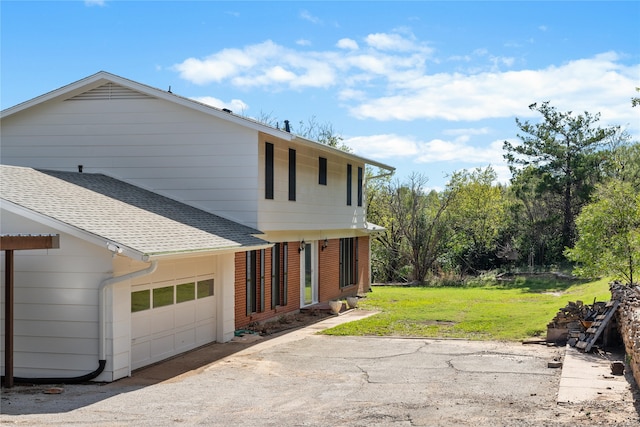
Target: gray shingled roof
(122, 213)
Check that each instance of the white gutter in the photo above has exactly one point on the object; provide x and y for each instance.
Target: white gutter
(102, 301)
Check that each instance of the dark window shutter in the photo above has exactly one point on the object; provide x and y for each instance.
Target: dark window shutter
(360, 186)
(268, 171)
(322, 171)
(349, 184)
(292, 174)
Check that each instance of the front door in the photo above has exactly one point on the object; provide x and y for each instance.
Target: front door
(308, 275)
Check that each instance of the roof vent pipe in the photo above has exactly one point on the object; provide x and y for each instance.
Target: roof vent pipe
(286, 126)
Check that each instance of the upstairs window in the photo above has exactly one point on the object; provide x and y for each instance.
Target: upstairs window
(268, 171)
(322, 171)
(292, 174)
(349, 179)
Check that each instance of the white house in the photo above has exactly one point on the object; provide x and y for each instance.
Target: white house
(179, 223)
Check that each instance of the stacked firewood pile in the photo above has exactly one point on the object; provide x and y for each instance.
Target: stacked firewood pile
(571, 322)
(628, 319)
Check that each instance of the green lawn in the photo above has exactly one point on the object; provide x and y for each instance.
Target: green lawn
(509, 311)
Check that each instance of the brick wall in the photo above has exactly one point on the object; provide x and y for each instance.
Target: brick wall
(329, 270)
(328, 280)
(364, 279)
(266, 312)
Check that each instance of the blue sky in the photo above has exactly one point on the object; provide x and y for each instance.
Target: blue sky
(428, 87)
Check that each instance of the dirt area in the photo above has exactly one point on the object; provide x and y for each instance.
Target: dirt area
(288, 322)
(620, 412)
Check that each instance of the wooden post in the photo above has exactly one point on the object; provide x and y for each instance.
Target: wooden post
(10, 243)
(8, 319)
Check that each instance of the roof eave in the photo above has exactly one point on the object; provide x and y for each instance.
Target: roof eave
(118, 248)
(204, 252)
(102, 77)
(345, 154)
(71, 230)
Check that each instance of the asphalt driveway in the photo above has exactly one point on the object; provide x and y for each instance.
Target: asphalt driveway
(304, 379)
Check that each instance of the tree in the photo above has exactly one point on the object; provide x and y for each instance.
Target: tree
(323, 133)
(419, 220)
(562, 150)
(609, 234)
(386, 254)
(623, 159)
(533, 221)
(476, 216)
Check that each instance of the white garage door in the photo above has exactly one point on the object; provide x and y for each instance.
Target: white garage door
(170, 319)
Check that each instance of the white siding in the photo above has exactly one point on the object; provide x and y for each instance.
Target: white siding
(187, 155)
(317, 207)
(56, 324)
(55, 304)
(158, 145)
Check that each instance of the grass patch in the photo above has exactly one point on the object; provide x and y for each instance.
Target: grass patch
(495, 310)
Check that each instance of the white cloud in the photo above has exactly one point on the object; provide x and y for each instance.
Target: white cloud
(307, 16)
(347, 44)
(383, 146)
(303, 42)
(265, 64)
(95, 2)
(348, 94)
(599, 84)
(395, 42)
(393, 146)
(235, 105)
(227, 63)
(467, 131)
(388, 80)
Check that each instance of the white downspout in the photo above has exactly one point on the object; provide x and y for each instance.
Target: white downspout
(102, 301)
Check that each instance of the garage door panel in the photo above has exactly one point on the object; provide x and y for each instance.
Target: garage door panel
(140, 352)
(162, 332)
(140, 325)
(185, 314)
(205, 333)
(162, 345)
(186, 339)
(205, 309)
(162, 320)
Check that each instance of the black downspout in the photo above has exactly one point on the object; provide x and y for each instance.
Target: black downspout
(64, 380)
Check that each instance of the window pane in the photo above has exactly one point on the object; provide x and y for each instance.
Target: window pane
(162, 296)
(205, 288)
(140, 300)
(185, 292)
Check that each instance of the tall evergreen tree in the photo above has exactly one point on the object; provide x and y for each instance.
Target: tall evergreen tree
(562, 150)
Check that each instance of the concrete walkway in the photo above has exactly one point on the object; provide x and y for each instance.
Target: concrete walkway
(587, 377)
